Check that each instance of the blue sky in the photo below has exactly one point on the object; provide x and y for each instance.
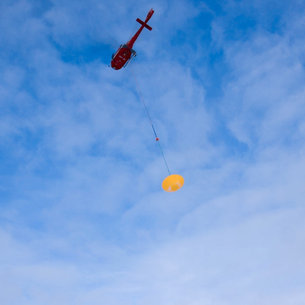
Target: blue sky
(83, 217)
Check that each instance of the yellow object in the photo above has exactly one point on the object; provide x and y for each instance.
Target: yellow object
(172, 183)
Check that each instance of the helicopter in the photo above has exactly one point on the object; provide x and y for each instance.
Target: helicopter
(125, 52)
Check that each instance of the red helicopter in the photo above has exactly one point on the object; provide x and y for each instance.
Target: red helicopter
(125, 52)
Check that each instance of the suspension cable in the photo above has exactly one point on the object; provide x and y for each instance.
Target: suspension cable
(150, 121)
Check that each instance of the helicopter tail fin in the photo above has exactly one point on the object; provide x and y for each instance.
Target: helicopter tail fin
(150, 13)
(144, 24)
